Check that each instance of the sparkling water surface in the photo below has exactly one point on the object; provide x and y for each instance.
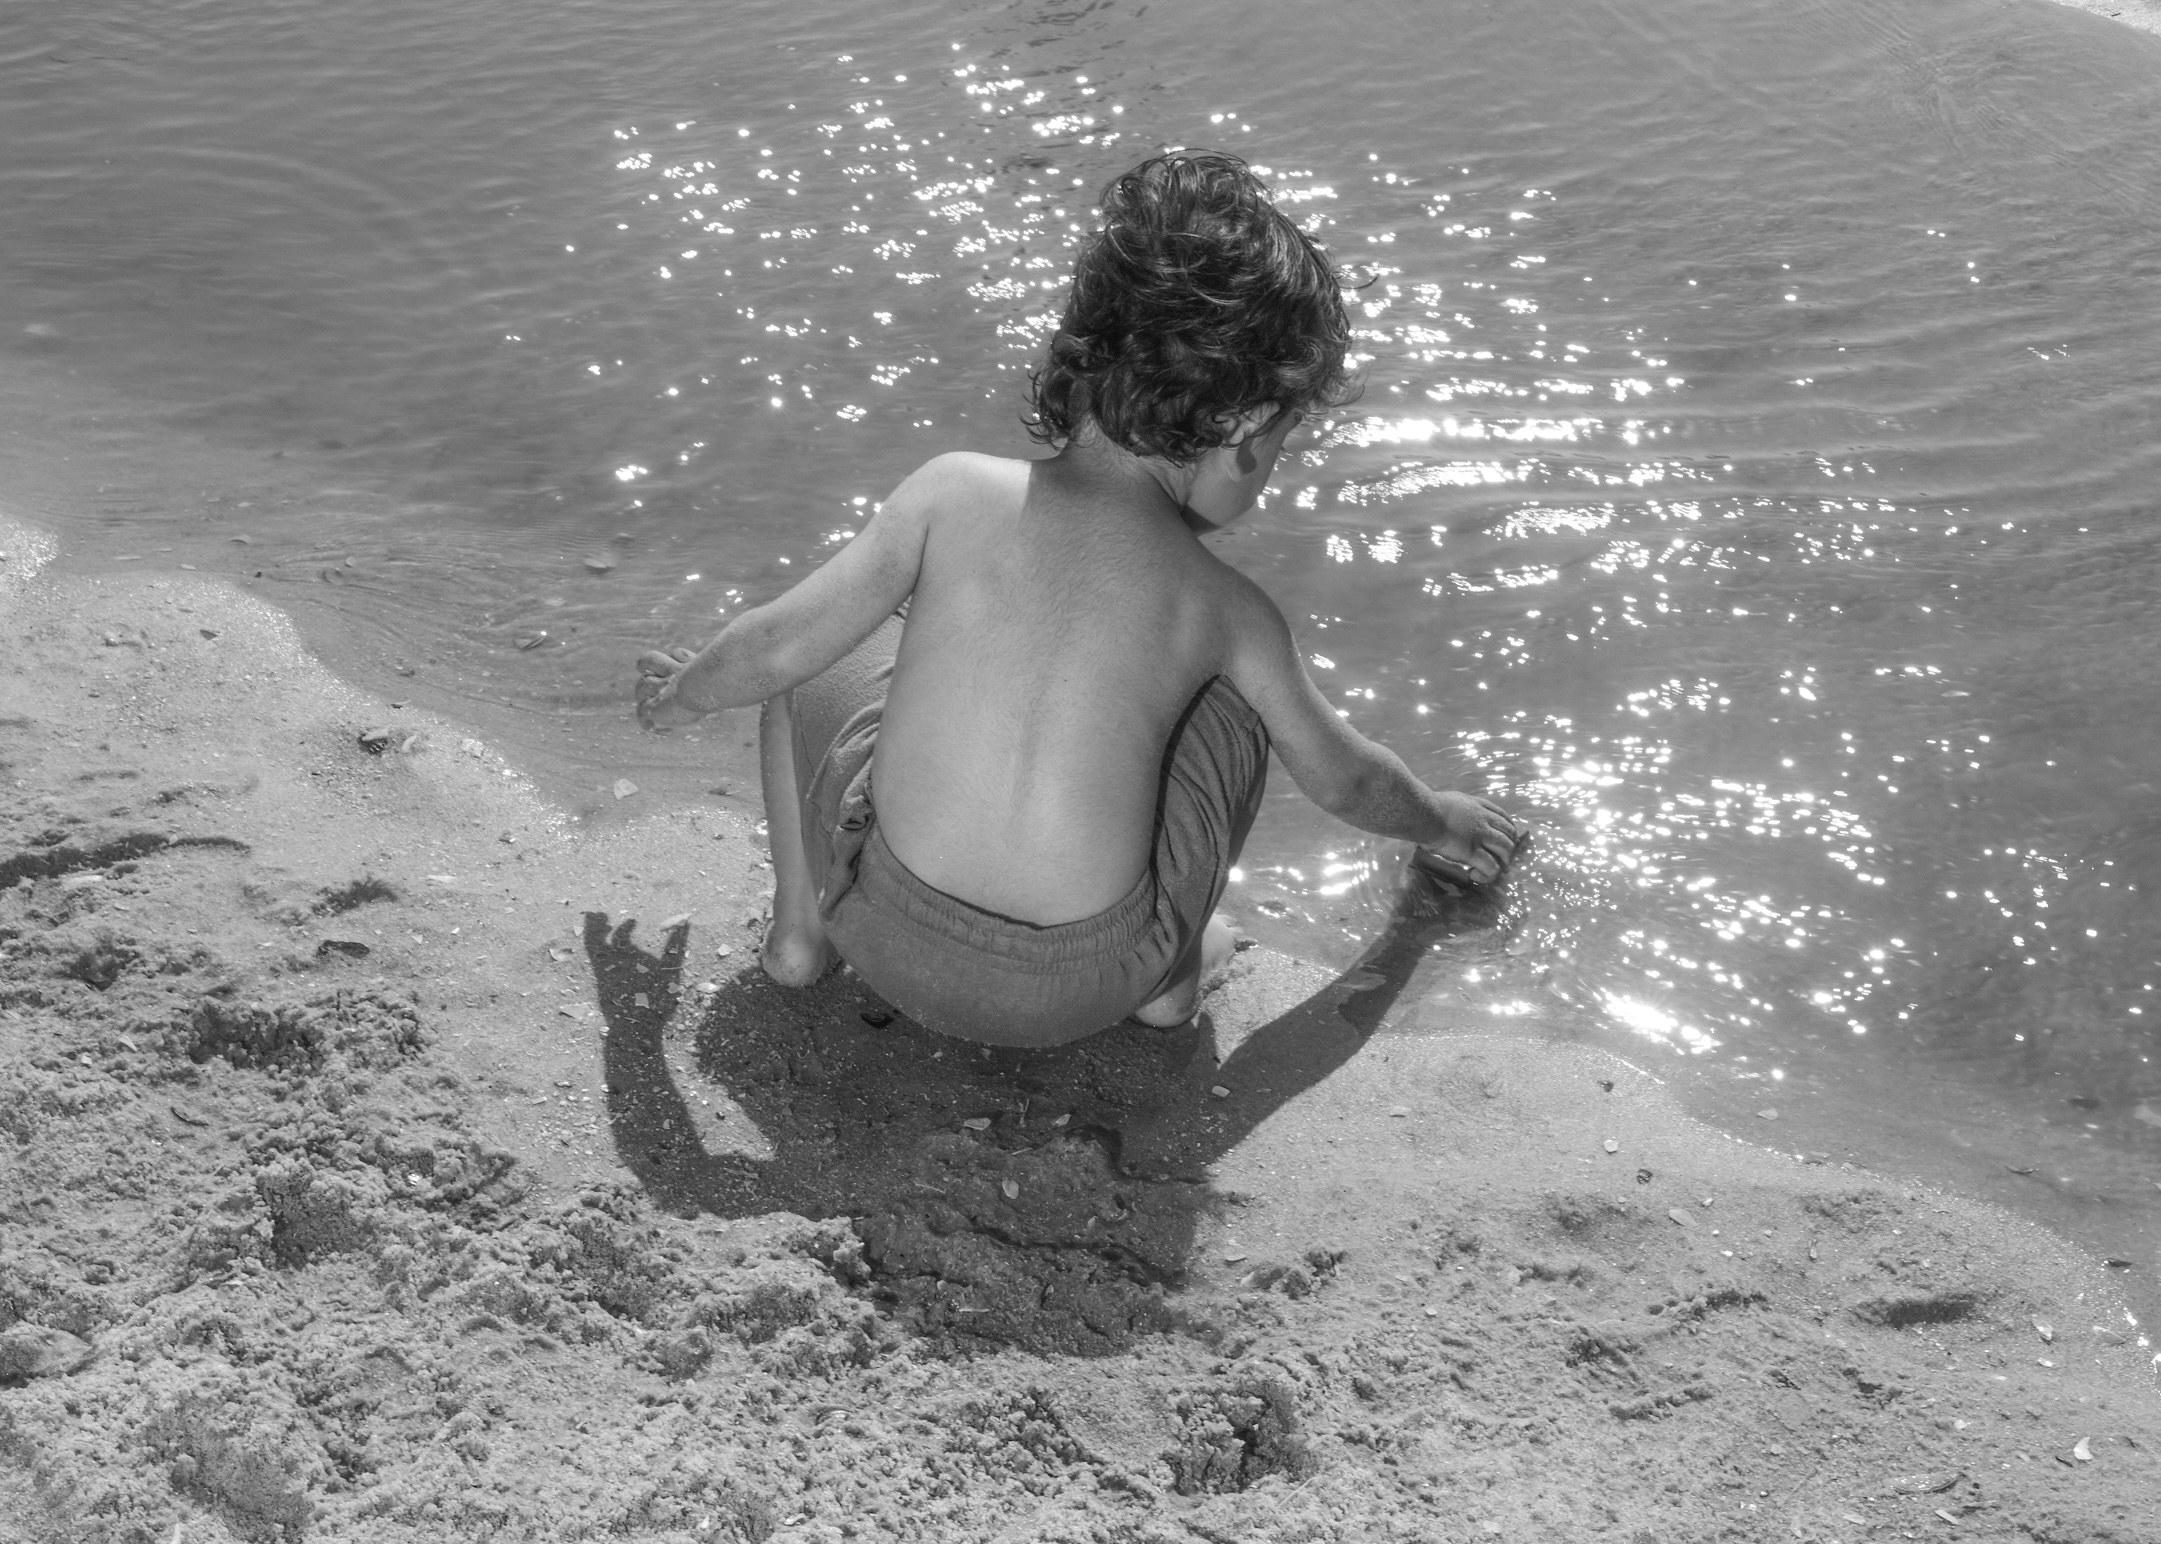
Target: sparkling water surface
(1754, 481)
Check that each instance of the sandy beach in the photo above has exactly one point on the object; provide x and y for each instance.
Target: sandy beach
(390, 1156)
(399, 1142)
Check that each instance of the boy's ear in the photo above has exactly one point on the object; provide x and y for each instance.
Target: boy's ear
(1243, 429)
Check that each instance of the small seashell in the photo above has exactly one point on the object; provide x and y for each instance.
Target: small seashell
(1219, 1092)
(624, 788)
(1767, 1115)
(1011, 1187)
(640, 1000)
(977, 1123)
(2045, 1331)
(1062, 1120)
(2082, 1452)
(1612, 1146)
(1233, 1256)
(1398, 1112)
(1679, 1216)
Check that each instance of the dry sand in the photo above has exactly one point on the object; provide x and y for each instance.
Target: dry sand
(387, 1158)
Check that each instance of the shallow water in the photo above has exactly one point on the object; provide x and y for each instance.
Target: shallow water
(1753, 480)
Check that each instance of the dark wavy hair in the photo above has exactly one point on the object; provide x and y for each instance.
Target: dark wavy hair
(1197, 301)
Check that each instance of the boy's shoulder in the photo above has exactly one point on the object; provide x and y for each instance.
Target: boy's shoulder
(961, 475)
(957, 487)
(1249, 612)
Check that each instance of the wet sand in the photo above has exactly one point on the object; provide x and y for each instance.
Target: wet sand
(390, 1156)
(2143, 14)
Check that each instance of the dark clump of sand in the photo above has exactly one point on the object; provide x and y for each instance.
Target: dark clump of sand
(383, 1159)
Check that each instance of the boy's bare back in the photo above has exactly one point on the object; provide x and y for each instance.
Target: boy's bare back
(1063, 618)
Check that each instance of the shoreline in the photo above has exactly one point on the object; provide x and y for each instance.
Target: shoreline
(2018, 1148)
(384, 1178)
(2144, 15)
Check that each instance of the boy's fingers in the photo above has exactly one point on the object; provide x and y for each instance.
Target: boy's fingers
(1490, 846)
(655, 663)
(1440, 865)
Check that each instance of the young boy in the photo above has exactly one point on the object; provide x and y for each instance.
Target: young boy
(1072, 723)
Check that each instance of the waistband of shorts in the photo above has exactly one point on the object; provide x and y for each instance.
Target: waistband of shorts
(883, 881)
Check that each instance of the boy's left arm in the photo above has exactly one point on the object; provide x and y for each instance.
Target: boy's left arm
(786, 641)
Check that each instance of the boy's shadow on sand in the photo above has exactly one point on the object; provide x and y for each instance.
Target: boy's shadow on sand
(1045, 1197)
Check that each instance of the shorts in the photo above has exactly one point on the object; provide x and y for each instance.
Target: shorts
(958, 969)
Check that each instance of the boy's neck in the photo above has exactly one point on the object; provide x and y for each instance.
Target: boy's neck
(1152, 481)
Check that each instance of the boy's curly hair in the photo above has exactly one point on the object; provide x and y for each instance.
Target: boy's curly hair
(1197, 301)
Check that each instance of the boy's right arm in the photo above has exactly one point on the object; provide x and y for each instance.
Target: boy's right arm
(783, 643)
(1341, 770)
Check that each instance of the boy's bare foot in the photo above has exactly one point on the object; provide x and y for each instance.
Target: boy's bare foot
(794, 957)
(1182, 999)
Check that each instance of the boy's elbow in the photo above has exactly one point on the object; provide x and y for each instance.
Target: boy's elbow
(753, 660)
(1344, 792)
(783, 661)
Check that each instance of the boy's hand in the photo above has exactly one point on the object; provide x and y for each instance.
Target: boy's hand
(1482, 839)
(657, 676)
